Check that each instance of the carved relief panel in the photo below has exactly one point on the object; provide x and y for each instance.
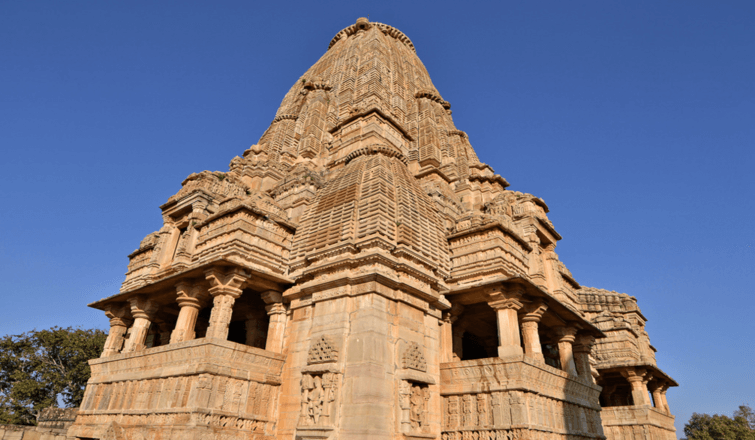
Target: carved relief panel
(319, 392)
(413, 400)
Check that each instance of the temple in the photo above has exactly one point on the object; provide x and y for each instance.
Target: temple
(360, 274)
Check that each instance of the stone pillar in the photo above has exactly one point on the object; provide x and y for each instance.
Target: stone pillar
(277, 313)
(530, 335)
(506, 306)
(143, 310)
(655, 389)
(636, 378)
(190, 299)
(565, 340)
(225, 288)
(457, 335)
(119, 323)
(446, 338)
(664, 402)
(450, 342)
(582, 350)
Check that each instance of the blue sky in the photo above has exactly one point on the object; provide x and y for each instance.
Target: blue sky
(632, 120)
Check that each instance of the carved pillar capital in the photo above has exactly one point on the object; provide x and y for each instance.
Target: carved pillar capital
(271, 297)
(566, 333)
(505, 304)
(142, 307)
(584, 343)
(228, 282)
(119, 314)
(276, 309)
(634, 375)
(533, 312)
(190, 294)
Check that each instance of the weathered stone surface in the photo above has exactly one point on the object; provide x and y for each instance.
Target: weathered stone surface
(360, 274)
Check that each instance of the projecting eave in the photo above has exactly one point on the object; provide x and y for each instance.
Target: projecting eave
(655, 371)
(550, 229)
(261, 279)
(564, 311)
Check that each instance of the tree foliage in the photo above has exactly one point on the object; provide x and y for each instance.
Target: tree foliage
(44, 368)
(719, 427)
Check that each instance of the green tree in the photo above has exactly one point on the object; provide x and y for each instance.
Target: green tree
(44, 368)
(719, 427)
(746, 413)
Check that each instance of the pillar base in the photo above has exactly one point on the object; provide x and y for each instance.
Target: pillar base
(510, 351)
(314, 432)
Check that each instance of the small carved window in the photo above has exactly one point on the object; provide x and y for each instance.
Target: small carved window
(323, 350)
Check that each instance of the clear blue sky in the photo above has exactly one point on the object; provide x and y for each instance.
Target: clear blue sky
(633, 120)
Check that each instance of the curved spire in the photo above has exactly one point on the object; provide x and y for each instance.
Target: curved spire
(368, 88)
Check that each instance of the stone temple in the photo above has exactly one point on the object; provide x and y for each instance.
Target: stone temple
(360, 274)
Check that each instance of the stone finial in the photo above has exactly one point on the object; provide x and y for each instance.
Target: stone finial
(362, 23)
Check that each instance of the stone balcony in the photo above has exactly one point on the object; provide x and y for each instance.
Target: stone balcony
(638, 421)
(163, 391)
(516, 397)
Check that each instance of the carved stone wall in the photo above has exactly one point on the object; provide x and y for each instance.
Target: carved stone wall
(487, 398)
(205, 383)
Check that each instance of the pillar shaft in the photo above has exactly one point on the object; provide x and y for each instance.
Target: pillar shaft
(532, 347)
(657, 400)
(446, 340)
(458, 345)
(664, 402)
(276, 328)
(115, 339)
(190, 301)
(220, 316)
(582, 351)
(139, 330)
(226, 287)
(530, 331)
(187, 321)
(509, 343)
(638, 379)
(143, 311)
(565, 340)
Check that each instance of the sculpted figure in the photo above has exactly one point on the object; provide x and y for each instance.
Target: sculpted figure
(417, 403)
(315, 401)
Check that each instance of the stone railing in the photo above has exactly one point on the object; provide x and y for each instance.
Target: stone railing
(163, 390)
(516, 398)
(640, 421)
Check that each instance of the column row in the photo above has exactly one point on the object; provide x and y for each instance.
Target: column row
(221, 288)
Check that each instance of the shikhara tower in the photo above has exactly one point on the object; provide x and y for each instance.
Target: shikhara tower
(359, 273)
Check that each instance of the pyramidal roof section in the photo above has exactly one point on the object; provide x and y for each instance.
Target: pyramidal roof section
(369, 88)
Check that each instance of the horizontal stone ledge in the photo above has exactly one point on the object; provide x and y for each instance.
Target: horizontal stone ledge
(186, 411)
